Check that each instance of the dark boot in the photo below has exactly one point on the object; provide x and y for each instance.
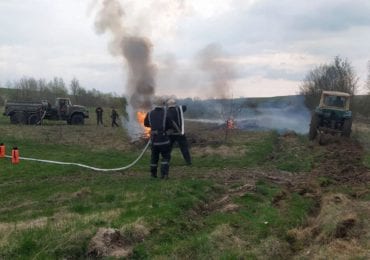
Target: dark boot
(153, 171)
(164, 170)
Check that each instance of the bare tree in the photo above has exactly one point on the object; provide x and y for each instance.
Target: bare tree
(337, 76)
(74, 87)
(58, 87)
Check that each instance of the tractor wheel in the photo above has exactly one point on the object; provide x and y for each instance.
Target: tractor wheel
(77, 119)
(19, 117)
(347, 126)
(34, 119)
(313, 127)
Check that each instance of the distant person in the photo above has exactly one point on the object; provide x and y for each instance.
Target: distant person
(63, 108)
(176, 115)
(114, 116)
(159, 124)
(99, 115)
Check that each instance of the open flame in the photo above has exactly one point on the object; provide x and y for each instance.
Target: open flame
(140, 116)
(230, 123)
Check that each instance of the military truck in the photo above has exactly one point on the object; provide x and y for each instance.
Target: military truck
(332, 116)
(32, 113)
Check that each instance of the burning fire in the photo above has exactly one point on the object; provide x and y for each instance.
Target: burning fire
(140, 118)
(230, 123)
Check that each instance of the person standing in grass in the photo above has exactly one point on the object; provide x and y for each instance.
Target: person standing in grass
(114, 116)
(159, 124)
(176, 115)
(99, 115)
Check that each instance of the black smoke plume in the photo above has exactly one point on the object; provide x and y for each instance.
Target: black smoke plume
(136, 51)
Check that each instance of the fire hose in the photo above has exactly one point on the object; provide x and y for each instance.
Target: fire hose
(87, 166)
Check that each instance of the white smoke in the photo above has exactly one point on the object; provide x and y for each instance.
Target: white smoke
(212, 60)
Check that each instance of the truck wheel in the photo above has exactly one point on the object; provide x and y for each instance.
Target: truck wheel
(77, 119)
(313, 127)
(34, 119)
(19, 118)
(347, 126)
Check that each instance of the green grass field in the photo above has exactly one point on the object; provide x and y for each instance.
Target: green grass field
(202, 212)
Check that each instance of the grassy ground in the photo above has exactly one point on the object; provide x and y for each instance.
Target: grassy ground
(225, 206)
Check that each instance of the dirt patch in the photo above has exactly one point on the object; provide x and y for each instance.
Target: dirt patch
(108, 242)
(83, 193)
(224, 237)
(224, 205)
(230, 207)
(280, 196)
(342, 161)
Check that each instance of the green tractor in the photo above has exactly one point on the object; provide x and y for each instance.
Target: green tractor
(332, 116)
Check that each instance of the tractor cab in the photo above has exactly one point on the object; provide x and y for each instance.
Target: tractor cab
(332, 115)
(335, 100)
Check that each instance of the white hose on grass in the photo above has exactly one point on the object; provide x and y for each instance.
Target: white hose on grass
(87, 166)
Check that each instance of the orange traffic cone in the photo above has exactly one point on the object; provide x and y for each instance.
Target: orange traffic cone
(15, 155)
(2, 150)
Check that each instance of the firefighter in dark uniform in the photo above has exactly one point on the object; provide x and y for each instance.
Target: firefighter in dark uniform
(159, 123)
(114, 115)
(99, 115)
(176, 115)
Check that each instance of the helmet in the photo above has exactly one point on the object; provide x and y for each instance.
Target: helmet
(159, 101)
(171, 102)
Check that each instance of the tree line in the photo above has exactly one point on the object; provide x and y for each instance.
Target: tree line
(339, 75)
(31, 89)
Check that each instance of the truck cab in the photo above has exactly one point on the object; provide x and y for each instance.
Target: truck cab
(73, 114)
(62, 106)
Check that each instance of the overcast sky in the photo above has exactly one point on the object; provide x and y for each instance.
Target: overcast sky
(270, 45)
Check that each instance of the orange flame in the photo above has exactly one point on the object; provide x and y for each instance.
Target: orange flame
(140, 116)
(230, 124)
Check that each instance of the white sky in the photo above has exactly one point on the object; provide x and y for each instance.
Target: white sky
(271, 44)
